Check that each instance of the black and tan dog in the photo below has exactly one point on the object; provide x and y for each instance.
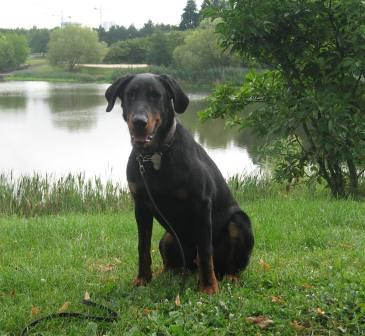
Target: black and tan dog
(185, 183)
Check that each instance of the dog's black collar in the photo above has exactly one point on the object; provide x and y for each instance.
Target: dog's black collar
(170, 137)
(156, 156)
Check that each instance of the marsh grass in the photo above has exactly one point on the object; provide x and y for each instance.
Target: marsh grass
(45, 195)
(36, 195)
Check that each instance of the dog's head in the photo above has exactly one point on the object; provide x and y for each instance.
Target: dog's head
(149, 102)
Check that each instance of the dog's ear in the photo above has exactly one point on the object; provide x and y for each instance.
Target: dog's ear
(180, 99)
(116, 90)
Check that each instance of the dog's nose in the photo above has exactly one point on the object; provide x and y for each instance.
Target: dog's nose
(139, 122)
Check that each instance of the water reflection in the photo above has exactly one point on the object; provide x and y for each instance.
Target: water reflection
(214, 134)
(61, 128)
(210, 133)
(74, 109)
(10, 102)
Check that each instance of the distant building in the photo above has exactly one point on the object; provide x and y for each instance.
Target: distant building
(108, 24)
(70, 23)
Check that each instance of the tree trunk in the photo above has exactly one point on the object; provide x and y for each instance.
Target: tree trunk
(338, 183)
(354, 182)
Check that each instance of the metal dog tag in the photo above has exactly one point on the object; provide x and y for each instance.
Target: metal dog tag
(156, 161)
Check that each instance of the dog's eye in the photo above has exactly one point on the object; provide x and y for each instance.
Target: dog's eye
(154, 95)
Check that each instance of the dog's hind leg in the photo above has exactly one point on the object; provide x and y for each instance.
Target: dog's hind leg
(171, 254)
(232, 252)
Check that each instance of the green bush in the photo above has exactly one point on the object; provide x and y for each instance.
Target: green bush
(132, 51)
(201, 53)
(13, 50)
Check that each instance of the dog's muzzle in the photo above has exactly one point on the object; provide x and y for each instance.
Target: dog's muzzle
(141, 136)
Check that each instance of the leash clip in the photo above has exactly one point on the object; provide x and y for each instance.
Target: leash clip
(155, 159)
(140, 160)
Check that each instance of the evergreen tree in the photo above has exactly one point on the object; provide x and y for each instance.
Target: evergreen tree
(190, 16)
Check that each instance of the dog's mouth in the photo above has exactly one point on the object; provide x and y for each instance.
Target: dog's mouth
(142, 135)
(142, 140)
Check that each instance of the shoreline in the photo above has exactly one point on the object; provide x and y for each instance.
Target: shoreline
(40, 70)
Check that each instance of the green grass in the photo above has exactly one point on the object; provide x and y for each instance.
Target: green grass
(45, 72)
(309, 258)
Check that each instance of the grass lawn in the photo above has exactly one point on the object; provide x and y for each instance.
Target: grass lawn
(306, 276)
(40, 70)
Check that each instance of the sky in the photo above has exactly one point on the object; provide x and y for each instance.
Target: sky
(49, 13)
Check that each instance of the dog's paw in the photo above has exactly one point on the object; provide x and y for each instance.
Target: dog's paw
(159, 272)
(213, 289)
(232, 278)
(140, 282)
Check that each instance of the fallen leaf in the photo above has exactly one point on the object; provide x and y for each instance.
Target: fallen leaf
(261, 321)
(177, 300)
(64, 307)
(342, 329)
(147, 311)
(297, 325)
(264, 265)
(277, 299)
(103, 265)
(35, 311)
(106, 267)
(319, 311)
(87, 296)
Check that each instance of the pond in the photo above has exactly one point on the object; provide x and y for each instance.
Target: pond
(52, 128)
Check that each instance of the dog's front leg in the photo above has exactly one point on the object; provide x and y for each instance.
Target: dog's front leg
(207, 279)
(144, 222)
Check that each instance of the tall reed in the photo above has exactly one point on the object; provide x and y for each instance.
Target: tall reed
(45, 194)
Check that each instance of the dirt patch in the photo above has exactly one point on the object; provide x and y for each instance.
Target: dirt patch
(113, 66)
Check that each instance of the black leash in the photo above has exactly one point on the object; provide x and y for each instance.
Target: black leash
(142, 170)
(113, 316)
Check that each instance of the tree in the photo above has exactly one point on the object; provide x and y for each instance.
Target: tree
(201, 52)
(13, 50)
(38, 40)
(158, 51)
(147, 29)
(115, 34)
(72, 45)
(190, 16)
(128, 51)
(213, 3)
(313, 96)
